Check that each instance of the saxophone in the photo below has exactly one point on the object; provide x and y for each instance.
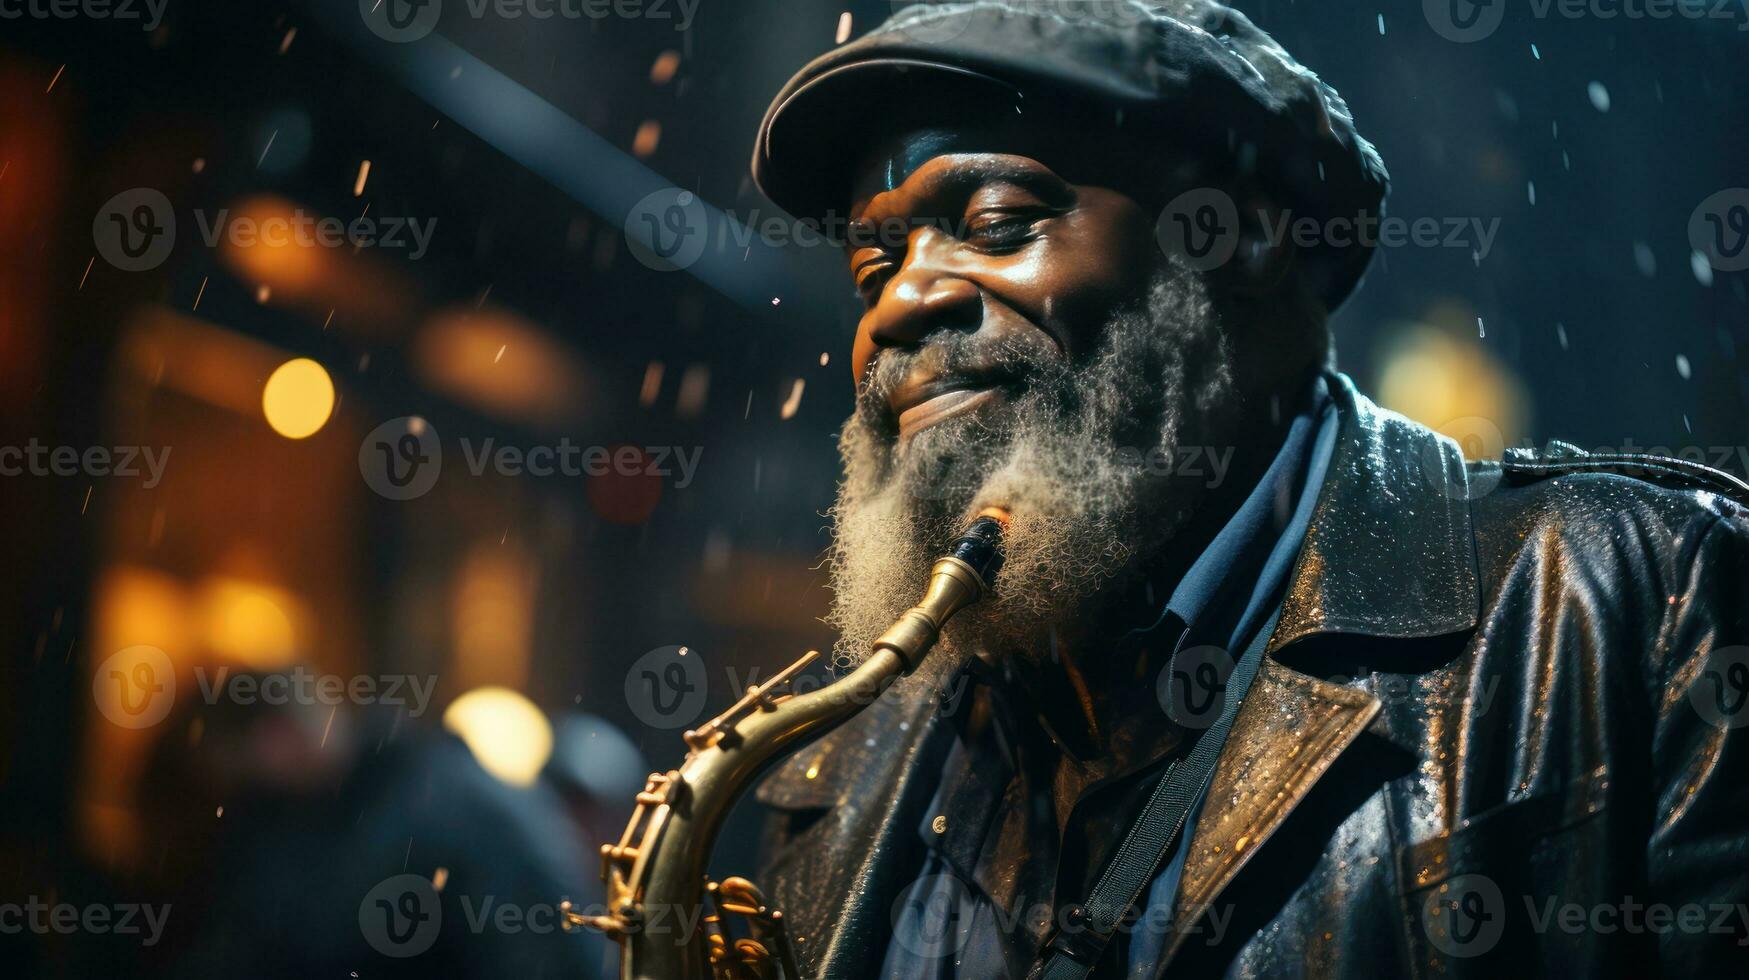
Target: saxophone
(659, 862)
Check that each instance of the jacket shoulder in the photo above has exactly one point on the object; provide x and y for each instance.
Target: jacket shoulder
(1607, 518)
(1521, 467)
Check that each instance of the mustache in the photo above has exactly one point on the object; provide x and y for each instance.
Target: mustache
(1009, 363)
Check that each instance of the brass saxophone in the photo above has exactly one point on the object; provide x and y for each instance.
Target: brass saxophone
(659, 862)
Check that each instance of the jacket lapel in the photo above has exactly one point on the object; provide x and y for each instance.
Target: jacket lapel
(1289, 731)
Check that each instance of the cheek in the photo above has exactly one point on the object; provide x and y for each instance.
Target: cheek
(862, 352)
(1078, 278)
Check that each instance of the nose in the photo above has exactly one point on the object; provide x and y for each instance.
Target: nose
(926, 295)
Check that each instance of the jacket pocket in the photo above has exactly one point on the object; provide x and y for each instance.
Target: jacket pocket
(1478, 900)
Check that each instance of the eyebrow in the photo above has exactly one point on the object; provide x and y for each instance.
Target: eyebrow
(960, 182)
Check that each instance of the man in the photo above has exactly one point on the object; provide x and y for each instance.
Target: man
(1350, 706)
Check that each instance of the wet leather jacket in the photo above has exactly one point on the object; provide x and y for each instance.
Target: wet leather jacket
(1501, 731)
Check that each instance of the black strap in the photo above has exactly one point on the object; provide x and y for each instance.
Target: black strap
(1076, 946)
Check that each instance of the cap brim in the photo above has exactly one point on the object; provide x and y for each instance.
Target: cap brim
(810, 142)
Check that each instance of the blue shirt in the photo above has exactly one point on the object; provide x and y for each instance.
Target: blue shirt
(965, 919)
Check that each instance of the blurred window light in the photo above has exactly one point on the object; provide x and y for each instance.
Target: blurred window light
(507, 734)
(298, 398)
(500, 363)
(250, 624)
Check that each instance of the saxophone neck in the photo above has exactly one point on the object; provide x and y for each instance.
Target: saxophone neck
(959, 578)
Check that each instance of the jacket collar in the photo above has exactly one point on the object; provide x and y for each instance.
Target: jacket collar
(1390, 551)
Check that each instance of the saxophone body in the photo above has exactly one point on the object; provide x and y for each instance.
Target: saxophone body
(655, 875)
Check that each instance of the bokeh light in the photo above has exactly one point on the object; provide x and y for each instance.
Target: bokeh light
(298, 398)
(507, 734)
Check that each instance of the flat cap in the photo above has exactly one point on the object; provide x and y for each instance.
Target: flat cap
(1178, 79)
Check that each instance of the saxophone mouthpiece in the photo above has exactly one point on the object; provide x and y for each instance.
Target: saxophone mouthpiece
(980, 548)
(960, 578)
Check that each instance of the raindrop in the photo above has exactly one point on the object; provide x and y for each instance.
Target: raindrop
(1599, 96)
(1534, 53)
(1381, 25)
(1683, 368)
(1645, 260)
(1481, 328)
(1533, 193)
(1561, 335)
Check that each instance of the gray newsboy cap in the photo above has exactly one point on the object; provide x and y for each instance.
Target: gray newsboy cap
(1179, 78)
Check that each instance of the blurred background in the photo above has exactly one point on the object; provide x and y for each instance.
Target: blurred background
(516, 649)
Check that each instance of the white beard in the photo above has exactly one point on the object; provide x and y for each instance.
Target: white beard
(1065, 458)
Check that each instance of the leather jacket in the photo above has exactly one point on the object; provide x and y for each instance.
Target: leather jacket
(1500, 730)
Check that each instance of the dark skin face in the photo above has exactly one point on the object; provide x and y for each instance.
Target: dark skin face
(1000, 245)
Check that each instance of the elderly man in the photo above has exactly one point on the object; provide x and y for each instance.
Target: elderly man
(1274, 682)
